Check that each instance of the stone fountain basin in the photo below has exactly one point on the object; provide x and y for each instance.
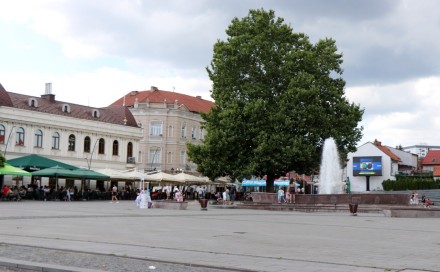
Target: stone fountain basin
(357, 198)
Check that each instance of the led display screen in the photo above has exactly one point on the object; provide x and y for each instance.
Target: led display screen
(367, 166)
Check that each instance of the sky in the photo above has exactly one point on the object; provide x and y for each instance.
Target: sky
(94, 52)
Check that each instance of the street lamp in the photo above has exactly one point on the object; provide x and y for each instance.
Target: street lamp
(154, 156)
(7, 141)
(89, 160)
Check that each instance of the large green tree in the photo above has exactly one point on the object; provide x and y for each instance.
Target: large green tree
(277, 98)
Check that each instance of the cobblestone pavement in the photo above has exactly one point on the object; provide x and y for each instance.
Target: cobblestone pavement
(97, 262)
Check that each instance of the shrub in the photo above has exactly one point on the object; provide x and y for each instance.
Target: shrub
(410, 183)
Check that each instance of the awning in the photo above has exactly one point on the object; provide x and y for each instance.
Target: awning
(253, 183)
(56, 171)
(35, 162)
(89, 174)
(281, 182)
(13, 171)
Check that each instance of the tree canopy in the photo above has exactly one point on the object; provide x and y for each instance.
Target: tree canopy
(277, 98)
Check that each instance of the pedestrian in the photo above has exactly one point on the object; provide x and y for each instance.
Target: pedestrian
(114, 194)
(428, 203)
(232, 194)
(281, 198)
(292, 192)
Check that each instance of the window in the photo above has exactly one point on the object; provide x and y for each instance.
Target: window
(2, 134)
(115, 151)
(101, 147)
(170, 131)
(154, 155)
(156, 128)
(72, 139)
(66, 108)
(193, 133)
(55, 140)
(19, 139)
(129, 149)
(87, 144)
(182, 157)
(95, 113)
(184, 130)
(170, 157)
(33, 102)
(202, 134)
(38, 138)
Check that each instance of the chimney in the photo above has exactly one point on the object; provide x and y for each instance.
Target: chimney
(377, 143)
(48, 93)
(154, 88)
(199, 97)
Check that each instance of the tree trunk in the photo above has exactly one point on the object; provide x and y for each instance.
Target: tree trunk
(269, 184)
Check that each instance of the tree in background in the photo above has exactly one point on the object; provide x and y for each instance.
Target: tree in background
(277, 98)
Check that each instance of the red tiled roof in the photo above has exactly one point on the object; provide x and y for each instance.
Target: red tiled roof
(113, 114)
(387, 151)
(436, 172)
(432, 158)
(5, 100)
(194, 104)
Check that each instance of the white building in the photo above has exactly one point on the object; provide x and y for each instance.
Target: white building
(421, 149)
(370, 165)
(82, 136)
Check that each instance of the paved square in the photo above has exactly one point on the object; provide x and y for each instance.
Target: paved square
(230, 239)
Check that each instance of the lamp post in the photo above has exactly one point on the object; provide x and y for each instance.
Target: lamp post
(4, 154)
(7, 141)
(89, 160)
(154, 156)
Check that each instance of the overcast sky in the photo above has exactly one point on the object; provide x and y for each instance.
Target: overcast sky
(96, 51)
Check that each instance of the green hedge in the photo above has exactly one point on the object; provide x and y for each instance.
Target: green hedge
(410, 183)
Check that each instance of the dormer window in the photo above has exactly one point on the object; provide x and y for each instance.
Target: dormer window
(33, 102)
(95, 113)
(66, 108)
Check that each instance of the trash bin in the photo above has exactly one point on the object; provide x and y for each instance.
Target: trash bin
(203, 204)
(353, 208)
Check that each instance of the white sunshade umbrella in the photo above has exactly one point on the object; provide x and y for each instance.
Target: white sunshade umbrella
(162, 178)
(190, 179)
(115, 174)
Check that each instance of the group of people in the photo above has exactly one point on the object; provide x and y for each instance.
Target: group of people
(289, 195)
(414, 200)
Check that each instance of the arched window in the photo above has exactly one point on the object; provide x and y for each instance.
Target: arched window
(55, 140)
(66, 108)
(38, 138)
(101, 147)
(95, 113)
(2, 134)
(129, 149)
(193, 133)
(19, 139)
(72, 139)
(115, 148)
(184, 130)
(87, 144)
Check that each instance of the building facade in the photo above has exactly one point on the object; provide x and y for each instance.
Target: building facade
(421, 149)
(168, 120)
(94, 138)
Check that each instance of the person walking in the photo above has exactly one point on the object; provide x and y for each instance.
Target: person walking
(292, 192)
(114, 194)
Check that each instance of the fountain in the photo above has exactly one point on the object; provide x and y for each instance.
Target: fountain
(330, 173)
(331, 189)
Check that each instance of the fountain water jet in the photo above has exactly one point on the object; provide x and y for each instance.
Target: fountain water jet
(330, 173)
